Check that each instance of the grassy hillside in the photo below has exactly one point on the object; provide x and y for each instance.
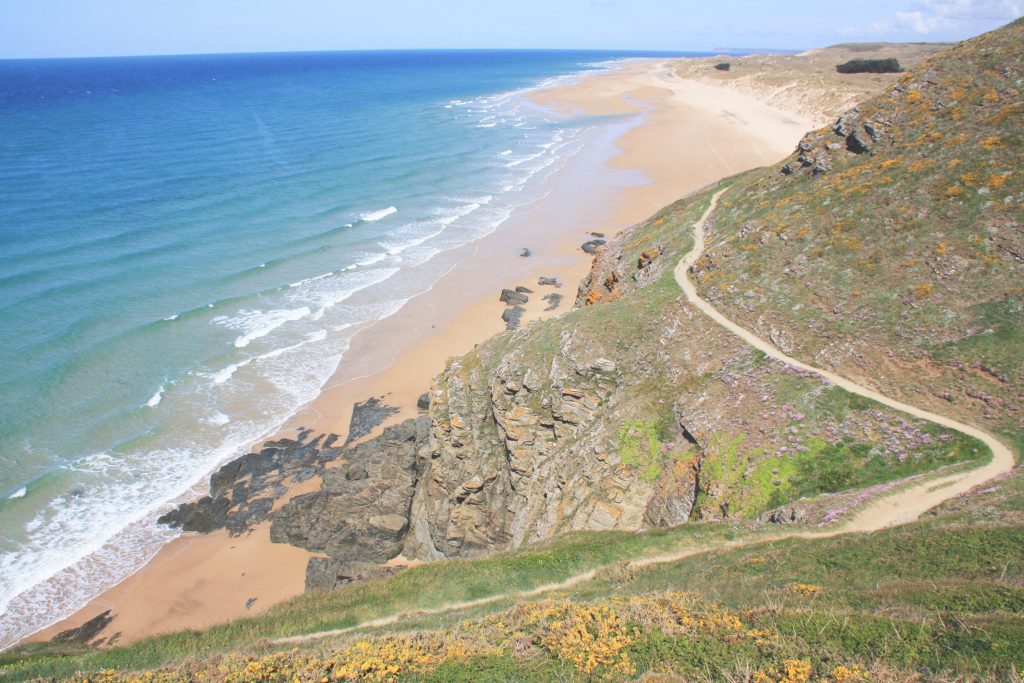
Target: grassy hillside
(937, 600)
(902, 266)
(889, 250)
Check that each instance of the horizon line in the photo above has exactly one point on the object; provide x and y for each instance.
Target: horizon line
(724, 51)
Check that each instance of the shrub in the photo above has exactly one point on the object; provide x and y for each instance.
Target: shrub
(723, 66)
(873, 66)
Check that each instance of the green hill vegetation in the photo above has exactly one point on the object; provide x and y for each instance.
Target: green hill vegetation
(889, 248)
(890, 65)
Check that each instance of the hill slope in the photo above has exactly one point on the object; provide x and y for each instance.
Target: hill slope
(888, 248)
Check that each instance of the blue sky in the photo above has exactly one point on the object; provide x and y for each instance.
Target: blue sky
(66, 28)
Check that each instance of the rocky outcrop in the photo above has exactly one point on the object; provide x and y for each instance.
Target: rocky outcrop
(852, 133)
(512, 316)
(512, 297)
(361, 511)
(783, 515)
(242, 492)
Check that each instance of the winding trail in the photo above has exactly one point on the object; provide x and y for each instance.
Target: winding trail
(900, 507)
(897, 508)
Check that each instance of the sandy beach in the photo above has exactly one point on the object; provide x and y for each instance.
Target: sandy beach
(669, 137)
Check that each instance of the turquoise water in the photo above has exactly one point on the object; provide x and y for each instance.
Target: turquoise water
(180, 240)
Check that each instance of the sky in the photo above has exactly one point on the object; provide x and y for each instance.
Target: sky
(77, 28)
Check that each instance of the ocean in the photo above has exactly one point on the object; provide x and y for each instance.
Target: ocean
(179, 241)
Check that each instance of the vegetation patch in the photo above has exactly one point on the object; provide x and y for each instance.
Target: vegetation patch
(889, 65)
(643, 445)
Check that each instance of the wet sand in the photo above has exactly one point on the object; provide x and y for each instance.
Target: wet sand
(668, 137)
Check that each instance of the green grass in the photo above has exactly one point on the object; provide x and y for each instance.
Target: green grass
(642, 445)
(417, 588)
(944, 593)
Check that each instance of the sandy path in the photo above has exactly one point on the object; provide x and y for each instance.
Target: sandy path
(898, 508)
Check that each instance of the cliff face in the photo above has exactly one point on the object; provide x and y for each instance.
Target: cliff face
(631, 413)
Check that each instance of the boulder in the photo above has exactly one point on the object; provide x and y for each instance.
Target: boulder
(554, 300)
(592, 246)
(202, 516)
(511, 297)
(512, 317)
(784, 515)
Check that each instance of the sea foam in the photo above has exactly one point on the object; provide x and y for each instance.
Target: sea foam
(371, 216)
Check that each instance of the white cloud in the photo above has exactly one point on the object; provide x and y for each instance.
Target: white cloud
(929, 16)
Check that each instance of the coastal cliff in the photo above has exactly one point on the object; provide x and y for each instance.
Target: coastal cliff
(886, 247)
(635, 411)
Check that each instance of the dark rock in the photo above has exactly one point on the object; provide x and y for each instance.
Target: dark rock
(203, 515)
(858, 143)
(87, 631)
(511, 297)
(305, 474)
(366, 416)
(239, 492)
(423, 402)
(787, 169)
(223, 478)
(525, 253)
(251, 513)
(549, 281)
(329, 454)
(783, 515)
(242, 492)
(592, 246)
(873, 132)
(249, 603)
(524, 290)
(512, 317)
(361, 513)
(553, 299)
(599, 235)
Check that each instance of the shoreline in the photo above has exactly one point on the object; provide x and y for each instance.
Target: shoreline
(679, 136)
